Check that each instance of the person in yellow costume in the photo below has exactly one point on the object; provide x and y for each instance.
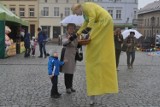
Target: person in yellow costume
(101, 75)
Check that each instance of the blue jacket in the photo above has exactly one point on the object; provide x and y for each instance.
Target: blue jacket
(54, 65)
(41, 37)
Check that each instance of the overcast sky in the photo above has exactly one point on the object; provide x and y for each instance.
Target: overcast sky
(143, 3)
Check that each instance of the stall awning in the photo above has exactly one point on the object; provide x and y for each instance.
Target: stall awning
(7, 15)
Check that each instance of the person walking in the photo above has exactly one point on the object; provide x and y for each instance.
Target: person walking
(131, 43)
(101, 75)
(27, 44)
(118, 40)
(70, 43)
(42, 42)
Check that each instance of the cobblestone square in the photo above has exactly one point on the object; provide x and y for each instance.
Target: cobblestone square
(24, 82)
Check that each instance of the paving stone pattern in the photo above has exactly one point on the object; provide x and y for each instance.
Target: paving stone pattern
(24, 83)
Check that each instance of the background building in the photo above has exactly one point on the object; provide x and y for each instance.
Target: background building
(122, 11)
(47, 14)
(27, 10)
(52, 12)
(149, 19)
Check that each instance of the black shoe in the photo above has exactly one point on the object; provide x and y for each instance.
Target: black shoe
(40, 56)
(58, 94)
(55, 96)
(73, 90)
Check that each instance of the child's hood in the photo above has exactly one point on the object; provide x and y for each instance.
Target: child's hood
(53, 58)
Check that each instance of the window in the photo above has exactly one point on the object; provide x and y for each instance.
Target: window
(67, 1)
(147, 32)
(13, 10)
(45, 1)
(45, 11)
(135, 14)
(111, 12)
(56, 1)
(118, 0)
(31, 12)
(157, 21)
(145, 22)
(77, 1)
(21, 12)
(67, 11)
(56, 11)
(118, 14)
(144, 32)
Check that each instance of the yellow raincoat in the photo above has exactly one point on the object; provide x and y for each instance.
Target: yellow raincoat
(101, 74)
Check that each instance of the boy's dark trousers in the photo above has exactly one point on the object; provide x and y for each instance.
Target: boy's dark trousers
(54, 90)
(68, 80)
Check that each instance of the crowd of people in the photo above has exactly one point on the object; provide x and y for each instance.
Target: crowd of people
(30, 44)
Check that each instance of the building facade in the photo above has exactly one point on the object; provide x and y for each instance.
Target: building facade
(47, 14)
(123, 12)
(149, 19)
(52, 12)
(27, 10)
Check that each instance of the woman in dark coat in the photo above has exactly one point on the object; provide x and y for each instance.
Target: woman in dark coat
(27, 44)
(118, 40)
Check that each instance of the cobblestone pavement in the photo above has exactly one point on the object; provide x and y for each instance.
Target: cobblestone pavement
(24, 83)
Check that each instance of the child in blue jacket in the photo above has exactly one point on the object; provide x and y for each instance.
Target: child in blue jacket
(53, 72)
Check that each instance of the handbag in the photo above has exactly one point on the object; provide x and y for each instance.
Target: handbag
(79, 54)
(124, 48)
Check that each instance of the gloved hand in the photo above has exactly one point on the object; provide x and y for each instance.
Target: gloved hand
(86, 30)
(73, 37)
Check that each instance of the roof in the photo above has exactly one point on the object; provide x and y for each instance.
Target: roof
(7, 15)
(151, 7)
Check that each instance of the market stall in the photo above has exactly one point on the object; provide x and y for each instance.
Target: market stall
(11, 43)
